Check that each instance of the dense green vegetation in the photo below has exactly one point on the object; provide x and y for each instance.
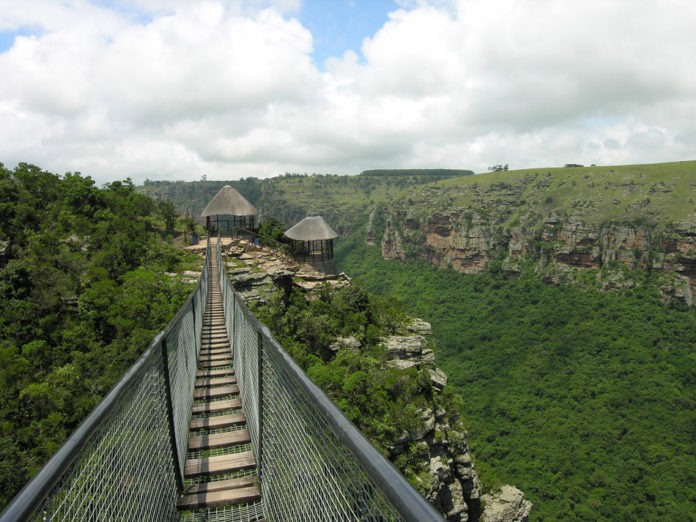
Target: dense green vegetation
(585, 400)
(83, 293)
(383, 402)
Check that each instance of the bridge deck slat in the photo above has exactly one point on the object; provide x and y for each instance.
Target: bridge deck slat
(215, 381)
(217, 485)
(220, 464)
(214, 335)
(203, 393)
(209, 353)
(215, 339)
(219, 498)
(222, 421)
(217, 406)
(207, 374)
(215, 364)
(215, 358)
(218, 440)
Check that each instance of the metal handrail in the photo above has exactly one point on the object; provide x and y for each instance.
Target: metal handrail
(40, 486)
(33, 493)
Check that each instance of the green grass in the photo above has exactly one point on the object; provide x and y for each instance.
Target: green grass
(190, 261)
(659, 193)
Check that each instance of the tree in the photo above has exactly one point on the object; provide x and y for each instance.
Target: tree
(272, 227)
(189, 226)
(498, 168)
(168, 212)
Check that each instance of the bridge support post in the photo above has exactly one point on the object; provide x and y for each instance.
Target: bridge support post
(196, 341)
(259, 356)
(170, 417)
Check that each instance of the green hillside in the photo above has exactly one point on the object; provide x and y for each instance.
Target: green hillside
(657, 193)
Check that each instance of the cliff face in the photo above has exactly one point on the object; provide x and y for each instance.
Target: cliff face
(535, 221)
(556, 248)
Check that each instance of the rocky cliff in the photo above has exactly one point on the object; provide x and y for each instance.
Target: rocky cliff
(563, 224)
(450, 481)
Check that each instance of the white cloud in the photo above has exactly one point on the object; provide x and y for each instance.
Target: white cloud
(154, 88)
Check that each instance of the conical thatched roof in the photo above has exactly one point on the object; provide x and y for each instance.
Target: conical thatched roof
(229, 202)
(311, 228)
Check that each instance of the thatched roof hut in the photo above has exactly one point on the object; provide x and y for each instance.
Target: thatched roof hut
(313, 239)
(311, 228)
(231, 211)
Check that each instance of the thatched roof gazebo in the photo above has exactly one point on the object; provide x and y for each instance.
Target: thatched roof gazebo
(231, 212)
(312, 239)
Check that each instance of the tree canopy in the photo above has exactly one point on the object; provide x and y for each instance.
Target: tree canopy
(585, 400)
(83, 293)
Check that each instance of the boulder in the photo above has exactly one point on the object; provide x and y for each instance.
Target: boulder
(251, 278)
(419, 326)
(438, 378)
(405, 346)
(400, 364)
(349, 343)
(507, 505)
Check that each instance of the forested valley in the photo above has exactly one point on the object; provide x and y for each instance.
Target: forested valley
(585, 400)
(84, 288)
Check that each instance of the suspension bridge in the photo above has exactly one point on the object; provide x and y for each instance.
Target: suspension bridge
(215, 422)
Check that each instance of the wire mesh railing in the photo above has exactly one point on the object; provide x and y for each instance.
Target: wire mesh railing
(313, 463)
(125, 461)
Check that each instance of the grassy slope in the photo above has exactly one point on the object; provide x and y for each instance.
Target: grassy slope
(584, 400)
(660, 193)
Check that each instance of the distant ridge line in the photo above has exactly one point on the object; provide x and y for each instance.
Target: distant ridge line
(417, 172)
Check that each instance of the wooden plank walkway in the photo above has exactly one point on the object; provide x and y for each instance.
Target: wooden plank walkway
(219, 443)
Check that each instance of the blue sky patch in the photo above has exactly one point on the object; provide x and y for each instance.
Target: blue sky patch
(339, 25)
(130, 12)
(7, 38)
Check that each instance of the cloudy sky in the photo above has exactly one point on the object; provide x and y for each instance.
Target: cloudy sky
(175, 89)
